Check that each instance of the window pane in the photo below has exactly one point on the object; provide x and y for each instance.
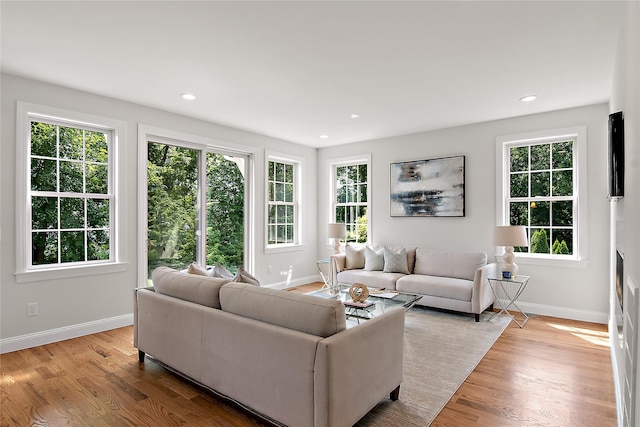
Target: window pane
(362, 173)
(290, 215)
(341, 194)
(272, 234)
(43, 175)
(340, 214)
(281, 214)
(72, 246)
(71, 177)
(518, 213)
(97, 245)
(539, 241)
(96, 147)
(289, 234)
(562, 242)
(271, 173)
(563, 183)
(43, 139)
(519, 185)
(563, 155)
(44, 248)
(71, 145)
(288, 173)
(519, 157)
(282, 233)
(540, 184)
(44, 213)
(280, 172)
(562, 213)
(288, 193)
(272, 214)
(540, 213)
(71, 213)
(541, 157)
(98, 213)
(362, 193)
(97, 179)
(279, 192)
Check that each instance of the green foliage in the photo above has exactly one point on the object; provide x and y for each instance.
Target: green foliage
(172, 194)
(560, 248)
(539, 242)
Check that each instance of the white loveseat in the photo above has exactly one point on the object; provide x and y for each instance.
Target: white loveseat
(445, 279)
(286, 356)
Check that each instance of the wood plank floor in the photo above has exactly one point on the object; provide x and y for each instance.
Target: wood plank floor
(553, 372)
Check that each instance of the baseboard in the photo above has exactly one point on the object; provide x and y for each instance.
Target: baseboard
(563, 312)
(8, 345)
(294, 282)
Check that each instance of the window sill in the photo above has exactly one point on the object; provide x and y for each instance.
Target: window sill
(283, 248)
(67, 272)
(548, 262)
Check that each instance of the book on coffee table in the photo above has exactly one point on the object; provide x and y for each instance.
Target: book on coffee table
(352, 303)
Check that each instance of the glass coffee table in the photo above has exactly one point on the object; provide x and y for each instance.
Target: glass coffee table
(377, 303)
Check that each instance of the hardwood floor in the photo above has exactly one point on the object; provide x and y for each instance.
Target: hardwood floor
(553, 372)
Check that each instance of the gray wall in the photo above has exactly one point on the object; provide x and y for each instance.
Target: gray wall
(567, 290)
(85, 304)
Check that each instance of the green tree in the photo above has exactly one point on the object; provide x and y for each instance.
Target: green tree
(560, 247)
(539, 242)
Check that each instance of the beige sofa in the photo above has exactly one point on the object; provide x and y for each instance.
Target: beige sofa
(445, 279)
(288, 357)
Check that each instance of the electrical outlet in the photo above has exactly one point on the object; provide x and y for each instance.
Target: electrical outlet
(32, 309)
(269, 269)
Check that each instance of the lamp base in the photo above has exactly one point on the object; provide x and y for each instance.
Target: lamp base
(337, 246)
(508, 258)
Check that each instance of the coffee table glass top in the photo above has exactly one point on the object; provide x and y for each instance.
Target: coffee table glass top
(382, 301)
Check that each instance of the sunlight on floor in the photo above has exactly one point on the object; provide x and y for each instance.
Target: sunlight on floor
(600, 338)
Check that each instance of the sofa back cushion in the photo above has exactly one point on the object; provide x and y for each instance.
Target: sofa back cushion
(354, 256)
(202, 290)
(313, 315)
(461, 265)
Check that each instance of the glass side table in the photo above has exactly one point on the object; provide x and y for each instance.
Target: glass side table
(511, 289)
(325, 278)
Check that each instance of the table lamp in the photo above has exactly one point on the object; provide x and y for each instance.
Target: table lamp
(510, 236)
(336, 231)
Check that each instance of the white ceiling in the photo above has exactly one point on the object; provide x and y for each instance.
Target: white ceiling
(297, 70)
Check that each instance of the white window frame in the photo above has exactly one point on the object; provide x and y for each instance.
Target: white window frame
(148, 134)
(579, 137)
(297, 162)
(333, 164)
(25, 272)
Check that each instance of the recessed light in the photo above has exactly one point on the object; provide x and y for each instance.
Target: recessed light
(354, 116)
(529, 98)
(188, 96)
(324, 136)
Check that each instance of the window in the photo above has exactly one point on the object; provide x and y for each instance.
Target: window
(541, 191)
(282, 202)
(351, 198)
(66, 167)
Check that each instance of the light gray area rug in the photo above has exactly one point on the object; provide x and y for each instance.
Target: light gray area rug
(440, 351)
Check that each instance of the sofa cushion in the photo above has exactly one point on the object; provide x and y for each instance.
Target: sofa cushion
(373, 279)
(313, 315)
(373, 259)
(202, 290)
(244, 276)
(461, 265)
(436, 286)
(395, 261)
(354, 256)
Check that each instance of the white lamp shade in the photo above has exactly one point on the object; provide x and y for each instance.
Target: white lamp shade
(336, 230)
(510, 235)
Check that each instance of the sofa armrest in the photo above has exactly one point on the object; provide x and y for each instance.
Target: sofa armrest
(357, 368)
(135, 311)
(482, 296)
(337, 264)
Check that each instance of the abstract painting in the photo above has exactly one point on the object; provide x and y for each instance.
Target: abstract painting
(432, 187)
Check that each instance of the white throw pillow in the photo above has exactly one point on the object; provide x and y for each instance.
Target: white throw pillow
(354, 256)
(195, 268)
(219, 271)
(243, 276)
(395, 261)
(373, 259)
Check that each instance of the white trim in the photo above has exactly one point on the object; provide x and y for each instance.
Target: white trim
(35, 339)
(579, 135)
(196, 142)
(298, 167)
(295, 282)
(560, 312)
(24, 113)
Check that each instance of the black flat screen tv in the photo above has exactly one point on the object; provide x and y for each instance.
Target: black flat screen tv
(616, 155)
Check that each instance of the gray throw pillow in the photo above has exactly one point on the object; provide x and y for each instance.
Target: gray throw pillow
(243, 276)
(219, 271)
(395, 261)
(373, 259)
